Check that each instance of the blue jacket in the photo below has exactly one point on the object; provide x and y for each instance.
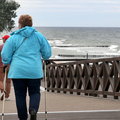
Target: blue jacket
(25, 59)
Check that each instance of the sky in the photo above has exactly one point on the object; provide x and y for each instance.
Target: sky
(71, 13)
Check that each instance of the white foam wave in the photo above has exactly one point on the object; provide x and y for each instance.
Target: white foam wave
(113, 47)
(56, 42)
(79, 52)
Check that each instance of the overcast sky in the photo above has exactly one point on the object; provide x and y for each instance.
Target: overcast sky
(76, 13)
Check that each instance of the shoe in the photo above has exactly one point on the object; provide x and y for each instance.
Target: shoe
(33, 114)
(7, 99)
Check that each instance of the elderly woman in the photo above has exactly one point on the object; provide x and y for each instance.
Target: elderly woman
(24, 51)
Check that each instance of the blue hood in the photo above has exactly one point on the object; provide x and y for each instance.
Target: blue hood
(25, 31)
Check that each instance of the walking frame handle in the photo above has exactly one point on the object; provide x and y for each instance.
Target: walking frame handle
(45, 89)
(4, 85)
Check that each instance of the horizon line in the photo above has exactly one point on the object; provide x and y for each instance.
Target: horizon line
(82, 26)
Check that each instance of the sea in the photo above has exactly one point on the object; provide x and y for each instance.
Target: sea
(83, 42)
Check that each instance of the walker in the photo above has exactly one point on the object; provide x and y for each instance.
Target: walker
(3, 94)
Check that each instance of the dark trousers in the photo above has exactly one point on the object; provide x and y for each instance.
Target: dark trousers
(21, 86)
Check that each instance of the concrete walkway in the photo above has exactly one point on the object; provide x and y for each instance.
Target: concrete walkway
(74, 116)
(70, 107)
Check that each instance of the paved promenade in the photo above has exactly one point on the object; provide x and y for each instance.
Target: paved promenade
(74, 116)
(69, 107)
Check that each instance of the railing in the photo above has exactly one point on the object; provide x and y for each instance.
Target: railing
(92, 77)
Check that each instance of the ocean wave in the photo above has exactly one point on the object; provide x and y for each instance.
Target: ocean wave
(56, 42)
(88, 56)
(82, 52)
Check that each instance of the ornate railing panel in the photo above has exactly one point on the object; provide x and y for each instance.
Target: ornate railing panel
(91, 77)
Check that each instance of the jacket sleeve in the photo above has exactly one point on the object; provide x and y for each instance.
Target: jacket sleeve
(7, 52)
(45, 48)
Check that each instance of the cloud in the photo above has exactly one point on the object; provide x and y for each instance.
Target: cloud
(69, 5)
(43, 10)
